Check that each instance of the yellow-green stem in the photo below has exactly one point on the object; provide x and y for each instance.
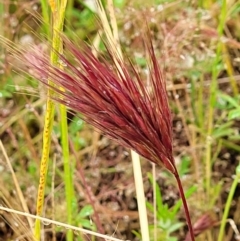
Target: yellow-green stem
(212, 102)
(45, 15)
(58, 20)
(48, 123)
(230, 70)
(67, 168)
(228, 203)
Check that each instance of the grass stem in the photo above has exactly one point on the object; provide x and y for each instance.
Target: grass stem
(154, 202)
(228, 203)
(69, 192)
(185, 206)
(212, 101)
(114, 46)
(48, 124)
(142, 210)
(45, 15)
(58, 20)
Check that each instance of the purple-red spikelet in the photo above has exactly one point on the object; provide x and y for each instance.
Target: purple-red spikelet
(115, 100)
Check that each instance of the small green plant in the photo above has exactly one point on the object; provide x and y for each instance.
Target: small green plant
(230, 108)
(75, 128)
(232, 104)
(167, 217)
(82, 218)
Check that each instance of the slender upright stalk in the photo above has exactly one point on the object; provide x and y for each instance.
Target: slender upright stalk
(212, 102)
(228, 203)
(47, 130)
(48, 124)
(114, 46)
(69, 193)
(142, 210)
(230, 70)
(154, 202)
(45, 15)
(58, 20)
(190, 228)
(58, 13)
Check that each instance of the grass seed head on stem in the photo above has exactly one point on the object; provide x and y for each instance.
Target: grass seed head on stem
(114, 100)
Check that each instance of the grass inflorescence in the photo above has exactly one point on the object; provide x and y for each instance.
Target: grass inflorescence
(172, 97)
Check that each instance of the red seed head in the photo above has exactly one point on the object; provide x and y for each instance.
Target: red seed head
(114, 100)
(206, 221)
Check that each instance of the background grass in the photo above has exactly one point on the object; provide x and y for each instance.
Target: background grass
(197, 45)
